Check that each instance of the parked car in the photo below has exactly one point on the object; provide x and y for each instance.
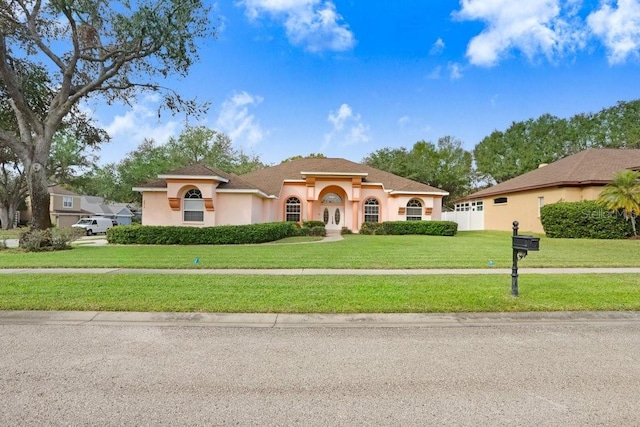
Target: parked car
(94, 225)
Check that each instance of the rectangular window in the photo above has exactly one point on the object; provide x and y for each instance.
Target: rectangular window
(500, 201)
(414, 213)
(540, 204)
(67, 202)
(479, 206)
(193, 210)
(371, 213)
(293, 213)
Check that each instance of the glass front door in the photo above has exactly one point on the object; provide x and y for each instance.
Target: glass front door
(333, 217)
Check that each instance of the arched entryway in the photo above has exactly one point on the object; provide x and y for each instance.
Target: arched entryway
(332, 205)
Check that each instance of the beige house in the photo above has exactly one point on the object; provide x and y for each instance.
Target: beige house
(581, 176)
(65, 208)
(338, 192)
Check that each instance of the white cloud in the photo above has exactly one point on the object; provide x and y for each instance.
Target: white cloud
(237, 122)
(129, 129)
(403, 121)
(435, 73)
(347, 127)
(533, 27)
(311, 23)
(438, 47)
(455, 70)
(619, 28)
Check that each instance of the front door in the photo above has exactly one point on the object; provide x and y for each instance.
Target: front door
(333, 217)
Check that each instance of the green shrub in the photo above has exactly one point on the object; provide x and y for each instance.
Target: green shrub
(345, 230)
(311, 224)
(52, 239)
(61, 237)
(312, 228)
(369, 228)
(430, 228)
(220, 235)
(583, 220)
(36, 240)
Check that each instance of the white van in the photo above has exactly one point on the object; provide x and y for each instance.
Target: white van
(94, 225)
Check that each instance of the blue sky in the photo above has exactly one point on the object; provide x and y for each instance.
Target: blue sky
(348, 77)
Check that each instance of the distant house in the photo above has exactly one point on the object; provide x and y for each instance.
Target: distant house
(581, 176)
(338, 192)
(64, 207)
(98, 207)
(67, 207)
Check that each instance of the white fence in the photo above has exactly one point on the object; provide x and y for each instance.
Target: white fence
(467, 220)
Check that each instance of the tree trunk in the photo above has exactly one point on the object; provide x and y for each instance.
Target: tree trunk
(39, 195)
(5, 224)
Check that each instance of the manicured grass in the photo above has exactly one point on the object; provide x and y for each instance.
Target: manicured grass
(466, 250)
(318, 294)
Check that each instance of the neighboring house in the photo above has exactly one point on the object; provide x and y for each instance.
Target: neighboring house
(64, 207)
(98, 207)
(338, 192)
(581, 176)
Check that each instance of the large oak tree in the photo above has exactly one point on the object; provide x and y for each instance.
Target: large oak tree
(112, 49)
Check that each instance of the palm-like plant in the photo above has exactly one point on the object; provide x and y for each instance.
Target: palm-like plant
(623, 194)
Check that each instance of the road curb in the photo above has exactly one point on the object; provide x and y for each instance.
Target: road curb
(273, 320)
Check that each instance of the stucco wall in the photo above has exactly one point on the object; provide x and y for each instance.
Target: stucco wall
(156, 210)
(235, 209)
(247, 208)
(523, 206)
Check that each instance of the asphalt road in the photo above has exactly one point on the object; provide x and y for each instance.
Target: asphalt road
(519, 374)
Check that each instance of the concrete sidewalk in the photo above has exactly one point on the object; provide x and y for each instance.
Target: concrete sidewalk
(273, 320)
(320, 271)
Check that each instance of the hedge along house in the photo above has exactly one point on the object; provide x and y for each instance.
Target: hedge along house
(581, 176)
(338, 192)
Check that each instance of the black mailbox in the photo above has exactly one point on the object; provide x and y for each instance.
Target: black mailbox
(526, 243)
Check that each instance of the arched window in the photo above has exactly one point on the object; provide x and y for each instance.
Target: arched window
(331, 198)
(193, 209)
(414, 210)
(371, 210)
(293, 209)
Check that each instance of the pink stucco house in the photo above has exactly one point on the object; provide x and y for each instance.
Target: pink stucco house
(336, 191)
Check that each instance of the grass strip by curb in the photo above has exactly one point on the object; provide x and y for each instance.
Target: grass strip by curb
(319, 294)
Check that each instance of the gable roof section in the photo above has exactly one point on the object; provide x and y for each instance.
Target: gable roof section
(97, 206)
(595, 166)
(229, 181)
(59, 191)
(270, 179)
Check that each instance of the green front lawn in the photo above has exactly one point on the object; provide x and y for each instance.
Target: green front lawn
(319, 294)
(466, 250)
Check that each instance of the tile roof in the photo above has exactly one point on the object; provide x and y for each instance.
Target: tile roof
(595, 166)
(269, 180)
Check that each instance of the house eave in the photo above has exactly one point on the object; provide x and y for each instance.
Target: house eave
(419, 193)
(195, 177)
(156, 189)
(336, 174)
(537, 187)
(246, 191)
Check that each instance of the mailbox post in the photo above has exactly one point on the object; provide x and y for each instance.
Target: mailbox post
(521, 246)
